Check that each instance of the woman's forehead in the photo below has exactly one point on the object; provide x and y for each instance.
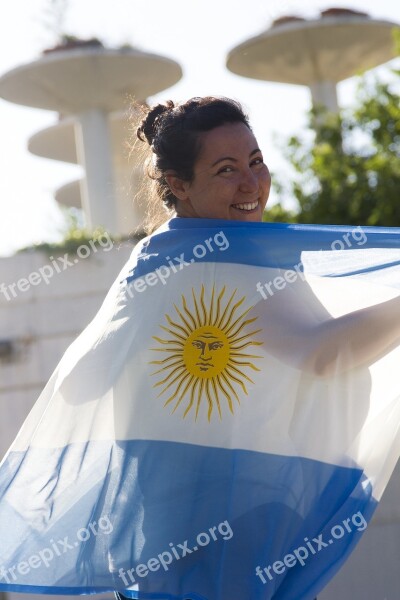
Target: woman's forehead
(236, 139)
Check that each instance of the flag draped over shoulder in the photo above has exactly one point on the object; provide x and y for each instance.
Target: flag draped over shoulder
(224, 427)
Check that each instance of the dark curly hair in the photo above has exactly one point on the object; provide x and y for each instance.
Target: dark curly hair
(172, 131)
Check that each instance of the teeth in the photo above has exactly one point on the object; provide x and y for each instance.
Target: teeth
(249, 206)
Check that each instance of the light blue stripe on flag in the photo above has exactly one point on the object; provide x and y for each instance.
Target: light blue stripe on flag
(187, 446)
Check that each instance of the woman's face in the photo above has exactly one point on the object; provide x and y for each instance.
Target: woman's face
(230, 180)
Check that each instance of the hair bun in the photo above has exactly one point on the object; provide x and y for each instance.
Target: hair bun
(148, 127)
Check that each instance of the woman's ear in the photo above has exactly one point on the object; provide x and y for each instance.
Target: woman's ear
(178, 186)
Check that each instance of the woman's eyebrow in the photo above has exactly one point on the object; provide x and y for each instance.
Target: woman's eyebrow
(234, 159)
(224, 158)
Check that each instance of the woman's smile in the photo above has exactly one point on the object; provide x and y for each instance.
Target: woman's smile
(231, 180)
(247, 207)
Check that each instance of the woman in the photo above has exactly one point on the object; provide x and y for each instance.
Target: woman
(201, 441)
(208, 164)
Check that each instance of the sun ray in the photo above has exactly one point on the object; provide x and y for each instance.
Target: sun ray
(203, 307)
(205, 353)
(209, 399)
(161, 341)
(228, 383)
(165, 360)
(238, 381)
(182, 317)
(168, 377)
(179, 350)
(231, 316)
(246, 345)
(192, 393)
(218, 310)
(243, 337)
(182, 381)
(173, 324)
(240, 323)
(225, 310)
(187, 311)
(210, 320)
(227, 325)
(196, 308)
(182, 395)
(173, 396)
(216, 396)
(199, 395)
(239, 372)
(166, 367)
(244, 364)
(177, 335)
(245, 355)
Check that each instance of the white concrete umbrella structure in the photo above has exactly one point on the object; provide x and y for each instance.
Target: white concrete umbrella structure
(69, 194)
(58, 142)
(89, 82)
(317, 53)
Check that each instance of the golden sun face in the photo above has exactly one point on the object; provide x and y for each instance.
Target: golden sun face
(206, 353)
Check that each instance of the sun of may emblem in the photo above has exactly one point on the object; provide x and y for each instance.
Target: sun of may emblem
(206, 356)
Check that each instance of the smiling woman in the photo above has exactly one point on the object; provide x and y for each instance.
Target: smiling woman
(193, 398)
(230, 181)
(206, 159)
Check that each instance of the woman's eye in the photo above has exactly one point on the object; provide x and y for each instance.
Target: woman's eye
(226, 169)
(258, 161)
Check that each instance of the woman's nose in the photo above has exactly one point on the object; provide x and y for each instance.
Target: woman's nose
(249, 181)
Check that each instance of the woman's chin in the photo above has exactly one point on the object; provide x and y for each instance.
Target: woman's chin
(250, 216)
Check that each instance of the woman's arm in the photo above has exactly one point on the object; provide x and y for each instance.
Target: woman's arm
(299, 331)
(363, 336)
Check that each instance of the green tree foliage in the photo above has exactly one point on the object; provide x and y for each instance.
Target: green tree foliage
(349, 171)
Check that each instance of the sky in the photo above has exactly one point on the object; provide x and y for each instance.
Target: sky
(196, 33)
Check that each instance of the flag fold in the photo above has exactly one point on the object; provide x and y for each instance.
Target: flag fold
(224, 427)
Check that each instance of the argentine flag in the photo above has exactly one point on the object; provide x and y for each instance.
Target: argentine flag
(225, 426)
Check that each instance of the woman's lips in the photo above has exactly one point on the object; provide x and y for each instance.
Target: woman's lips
(246, 206)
